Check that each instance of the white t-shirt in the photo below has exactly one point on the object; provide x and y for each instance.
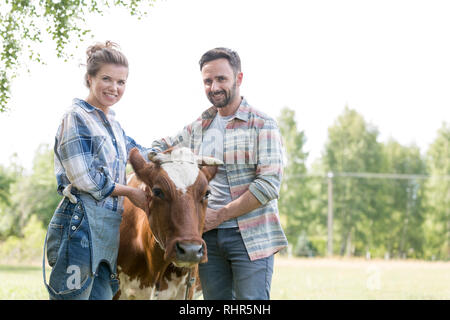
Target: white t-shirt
(212, 145)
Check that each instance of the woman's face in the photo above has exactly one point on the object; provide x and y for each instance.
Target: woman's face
(107, 86)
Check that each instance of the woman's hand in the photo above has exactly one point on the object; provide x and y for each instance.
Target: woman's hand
(139, 198)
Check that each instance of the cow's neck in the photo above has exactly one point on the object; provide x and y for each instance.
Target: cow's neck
(154, 258)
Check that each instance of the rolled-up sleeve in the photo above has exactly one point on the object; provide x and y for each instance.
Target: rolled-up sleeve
(269, 170)
(77, 150)
(182, 139)
(131, 143)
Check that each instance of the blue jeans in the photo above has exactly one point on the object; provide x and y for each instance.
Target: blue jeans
(229, 273)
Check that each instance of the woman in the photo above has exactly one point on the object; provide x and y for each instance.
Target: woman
(91, 152)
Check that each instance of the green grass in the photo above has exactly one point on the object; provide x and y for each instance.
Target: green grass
(21, 283)
(354, 279)
(301, 279)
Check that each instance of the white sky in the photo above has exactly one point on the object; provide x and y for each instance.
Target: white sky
(389, 60)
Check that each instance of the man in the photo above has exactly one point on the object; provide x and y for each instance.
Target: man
(242, 227)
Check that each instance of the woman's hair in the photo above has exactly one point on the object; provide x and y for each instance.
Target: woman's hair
(100, 54)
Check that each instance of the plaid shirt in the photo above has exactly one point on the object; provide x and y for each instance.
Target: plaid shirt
(91, 153)
(253, 156)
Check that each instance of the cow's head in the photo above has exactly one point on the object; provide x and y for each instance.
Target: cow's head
(177, 184)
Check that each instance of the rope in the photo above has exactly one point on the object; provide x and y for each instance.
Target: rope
(189, 283)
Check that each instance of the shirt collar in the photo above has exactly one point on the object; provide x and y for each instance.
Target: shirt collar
(242, 113)
(89, 108)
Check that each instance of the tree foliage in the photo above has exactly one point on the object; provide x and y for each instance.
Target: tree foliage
(6, 180)
(403, 202)
(33, 194)
(25, 23)
(352, 146)
(402, 212)
(438, 195)
(293, 208)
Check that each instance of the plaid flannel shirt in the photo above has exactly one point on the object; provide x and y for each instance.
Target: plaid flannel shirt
(253, 156)
(91, 153)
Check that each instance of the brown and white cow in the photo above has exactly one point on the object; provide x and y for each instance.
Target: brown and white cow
(159, 247)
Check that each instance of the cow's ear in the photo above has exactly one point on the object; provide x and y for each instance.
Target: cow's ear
(137, 161)
(209, 171)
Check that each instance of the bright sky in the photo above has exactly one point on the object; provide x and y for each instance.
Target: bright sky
(389, 60)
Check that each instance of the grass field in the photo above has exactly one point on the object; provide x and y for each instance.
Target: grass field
(353, 279)
(301, 279)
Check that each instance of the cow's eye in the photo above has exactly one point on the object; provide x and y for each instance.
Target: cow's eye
(206, 196)
(157, 192)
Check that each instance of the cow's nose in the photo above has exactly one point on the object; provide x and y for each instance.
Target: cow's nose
(189, 252)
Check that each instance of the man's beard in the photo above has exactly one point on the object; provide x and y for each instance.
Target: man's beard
(227, 97)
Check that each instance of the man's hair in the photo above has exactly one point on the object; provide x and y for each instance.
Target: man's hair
(219, 53)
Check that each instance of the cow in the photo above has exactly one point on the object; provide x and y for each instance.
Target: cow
(160, 249)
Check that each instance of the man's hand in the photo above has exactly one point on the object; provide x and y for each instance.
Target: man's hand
(212, 219)
(244, 204)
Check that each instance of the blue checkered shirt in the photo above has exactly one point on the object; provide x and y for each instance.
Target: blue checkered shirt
(91, 153)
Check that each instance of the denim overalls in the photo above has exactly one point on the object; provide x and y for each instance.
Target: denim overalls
(80, 236)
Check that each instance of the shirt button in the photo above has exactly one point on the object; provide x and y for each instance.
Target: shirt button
(75, 217)
(73, 227)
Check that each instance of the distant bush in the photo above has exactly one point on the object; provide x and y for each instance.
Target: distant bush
(26, 250)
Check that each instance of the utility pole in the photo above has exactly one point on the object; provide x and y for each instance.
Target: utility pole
(330, 214)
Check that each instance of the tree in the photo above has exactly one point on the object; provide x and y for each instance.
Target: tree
(438, 195)
(5, 182)
(352, 146)
(23, 23)
(294, 194)
(8, 178)
(401, 227)
(33, 194)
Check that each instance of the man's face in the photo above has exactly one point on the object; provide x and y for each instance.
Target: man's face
(221, 84)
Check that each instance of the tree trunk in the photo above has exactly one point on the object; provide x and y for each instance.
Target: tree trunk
(403, 250)
(349, 243)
